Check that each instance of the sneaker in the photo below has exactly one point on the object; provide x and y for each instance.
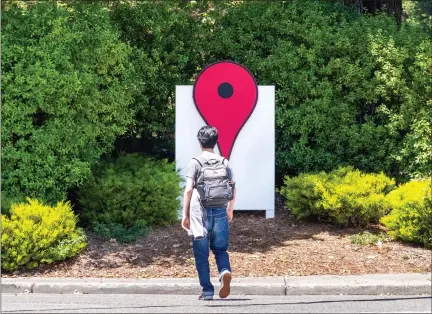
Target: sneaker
(205, 297)
(225, 280)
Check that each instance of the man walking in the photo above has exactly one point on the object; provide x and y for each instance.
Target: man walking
(208, 207)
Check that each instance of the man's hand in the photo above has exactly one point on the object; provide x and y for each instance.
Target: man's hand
(185, 223)
(230, 213)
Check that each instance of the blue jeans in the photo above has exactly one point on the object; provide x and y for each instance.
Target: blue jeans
(217, 239)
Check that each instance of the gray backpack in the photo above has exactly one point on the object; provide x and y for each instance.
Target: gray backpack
(214, 181)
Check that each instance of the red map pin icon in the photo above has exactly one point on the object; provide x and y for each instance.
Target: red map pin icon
(225, 94)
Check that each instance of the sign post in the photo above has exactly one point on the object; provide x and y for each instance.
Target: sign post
(225, 95)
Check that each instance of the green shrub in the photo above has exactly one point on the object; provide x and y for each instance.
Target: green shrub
(367, 238)
(344, 196)
(39, 234)
(131, 188)
(66, 89)
(411, 216)
(121, 234)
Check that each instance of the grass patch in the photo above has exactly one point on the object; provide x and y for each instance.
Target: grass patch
(367, 238)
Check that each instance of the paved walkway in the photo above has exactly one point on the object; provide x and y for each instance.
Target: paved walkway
(132, 303)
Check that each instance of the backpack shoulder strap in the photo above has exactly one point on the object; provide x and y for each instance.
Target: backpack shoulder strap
(198, 160)
(201, 161)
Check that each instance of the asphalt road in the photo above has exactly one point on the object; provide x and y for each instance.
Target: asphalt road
(103, 303)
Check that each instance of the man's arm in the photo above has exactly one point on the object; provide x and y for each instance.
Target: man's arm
(230, 210)
(187, 196)
(191, 173)
(190, 182)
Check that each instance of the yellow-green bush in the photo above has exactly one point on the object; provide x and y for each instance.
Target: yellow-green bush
(36, 233)
(411, 216)
(344, 196)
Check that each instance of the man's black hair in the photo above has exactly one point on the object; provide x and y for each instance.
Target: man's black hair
(208, 136)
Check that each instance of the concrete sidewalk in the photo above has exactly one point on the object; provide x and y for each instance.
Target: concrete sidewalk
(392, 284)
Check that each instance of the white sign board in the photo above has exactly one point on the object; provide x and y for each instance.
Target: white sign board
(253, 154)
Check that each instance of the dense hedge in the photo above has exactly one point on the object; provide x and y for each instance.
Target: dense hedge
(77, 76)
(65, 93)
(351, 89)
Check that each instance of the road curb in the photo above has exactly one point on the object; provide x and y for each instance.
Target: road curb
(392, 284)
(382, 284)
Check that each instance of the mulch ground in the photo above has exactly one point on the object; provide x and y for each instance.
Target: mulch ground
(258, 247)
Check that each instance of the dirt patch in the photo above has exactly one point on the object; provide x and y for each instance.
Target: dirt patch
(258, 247)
